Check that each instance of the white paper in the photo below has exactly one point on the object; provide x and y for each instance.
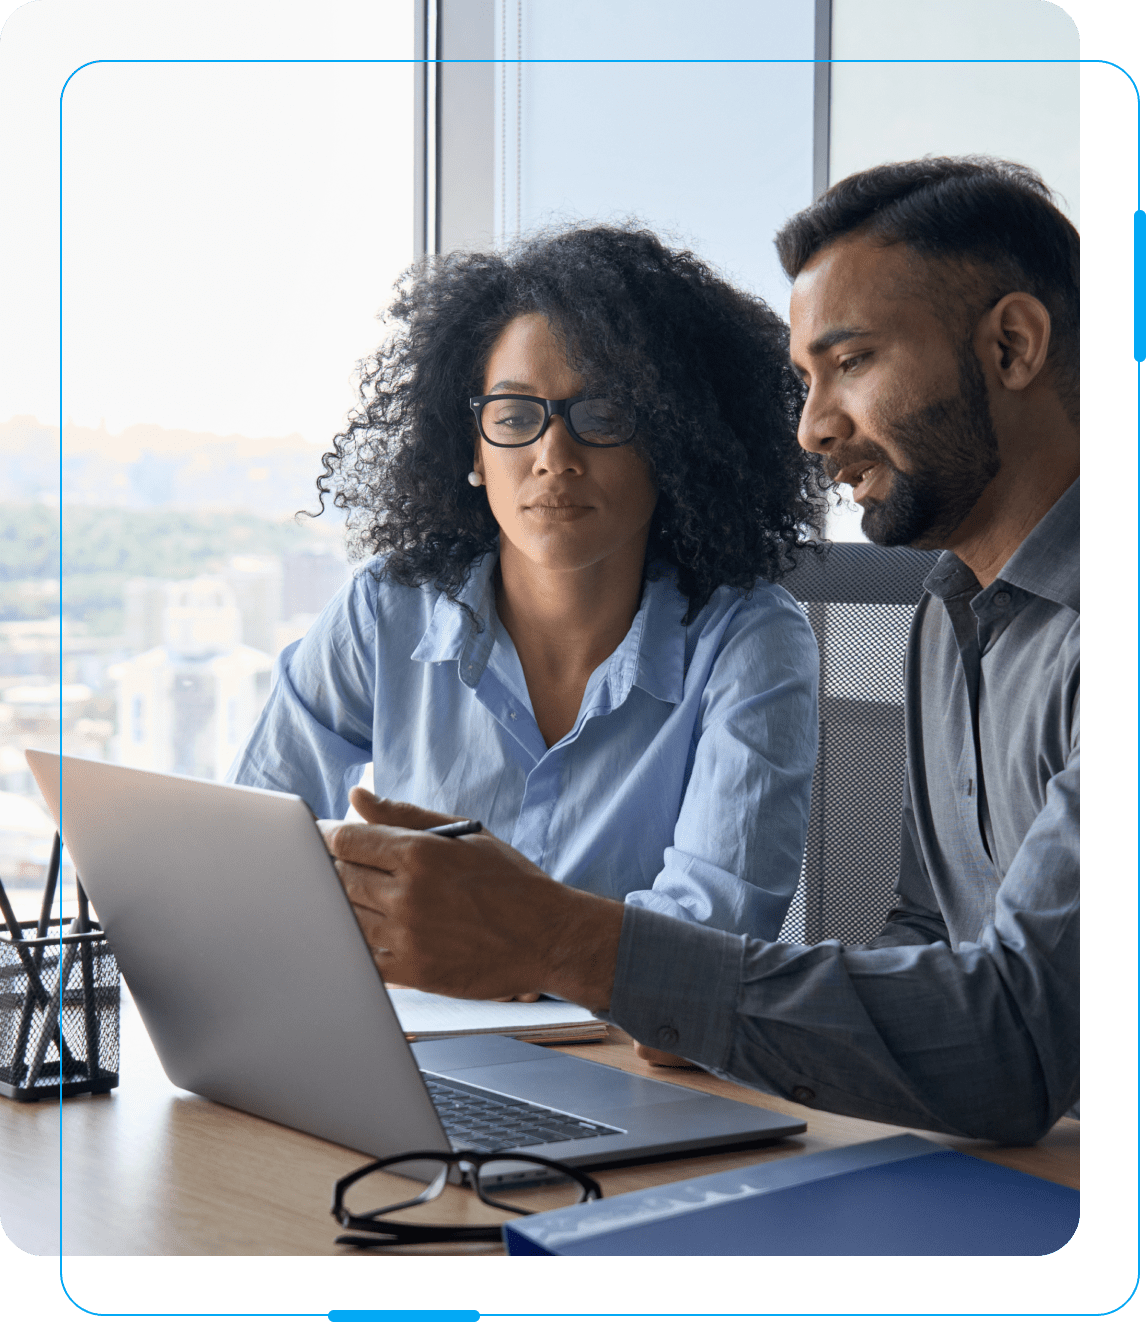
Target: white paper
(421, 1013)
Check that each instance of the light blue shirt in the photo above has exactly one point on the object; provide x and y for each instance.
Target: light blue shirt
(683, 786)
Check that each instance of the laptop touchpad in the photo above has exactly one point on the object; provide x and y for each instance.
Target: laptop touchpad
(569, 1084)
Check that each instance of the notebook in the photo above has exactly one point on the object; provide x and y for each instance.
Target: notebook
(425, 1016)
(902, 1196)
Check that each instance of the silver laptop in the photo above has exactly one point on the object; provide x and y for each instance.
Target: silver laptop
(258, 990)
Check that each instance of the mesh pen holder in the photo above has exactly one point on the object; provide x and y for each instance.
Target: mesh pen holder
(58, 1034)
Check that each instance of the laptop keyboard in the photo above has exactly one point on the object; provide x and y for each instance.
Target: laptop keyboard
(491, 1122)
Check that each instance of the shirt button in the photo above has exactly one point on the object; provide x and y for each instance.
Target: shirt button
(513, 716)
(802, 1094)
(1001, 598)
(667, 1036)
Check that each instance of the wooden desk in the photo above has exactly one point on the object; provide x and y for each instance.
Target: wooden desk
(150, 1169)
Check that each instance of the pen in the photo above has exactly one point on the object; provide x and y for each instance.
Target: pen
(36, 994)
(49, 889)
(16, 931)
(452, 829)
(51, 1027)
(87, 970)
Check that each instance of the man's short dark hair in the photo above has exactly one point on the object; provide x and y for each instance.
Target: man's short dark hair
(991, 223)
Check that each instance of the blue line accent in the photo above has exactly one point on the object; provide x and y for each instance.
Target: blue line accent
(1138, 229)
(1140, 284)
(60, 673)
(1137, 121)
(403, 1315)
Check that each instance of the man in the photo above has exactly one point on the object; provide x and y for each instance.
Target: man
(935, 324)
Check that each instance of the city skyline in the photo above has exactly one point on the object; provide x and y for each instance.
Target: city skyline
(269, 475)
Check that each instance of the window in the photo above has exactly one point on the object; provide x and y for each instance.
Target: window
(230, 233)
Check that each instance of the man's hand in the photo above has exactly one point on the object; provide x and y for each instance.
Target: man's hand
(664, 1058)
(469, 916)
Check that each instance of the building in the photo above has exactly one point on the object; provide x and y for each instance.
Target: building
(186, 705)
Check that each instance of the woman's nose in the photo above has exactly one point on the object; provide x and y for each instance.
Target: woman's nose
(555, 450)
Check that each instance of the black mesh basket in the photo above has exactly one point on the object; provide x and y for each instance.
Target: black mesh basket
(53, 1040)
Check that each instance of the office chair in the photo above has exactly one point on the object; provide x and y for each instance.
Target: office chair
(859, 600)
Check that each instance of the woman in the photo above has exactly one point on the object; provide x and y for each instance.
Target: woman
(576, 466)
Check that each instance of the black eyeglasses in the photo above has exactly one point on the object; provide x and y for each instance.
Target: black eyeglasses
(532, 1180)
(515, 420)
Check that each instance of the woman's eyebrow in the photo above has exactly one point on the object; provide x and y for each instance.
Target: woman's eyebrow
(516, 386)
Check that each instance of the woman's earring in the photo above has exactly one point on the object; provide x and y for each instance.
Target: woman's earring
(474, 478)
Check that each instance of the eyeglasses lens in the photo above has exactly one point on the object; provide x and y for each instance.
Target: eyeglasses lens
(512, 421)
(521, 421)
(601, 422)
(517, 1184)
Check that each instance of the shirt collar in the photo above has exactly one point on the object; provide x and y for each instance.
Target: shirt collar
(650, 657)
(453, 634)
(657, 639)
(1045, 564)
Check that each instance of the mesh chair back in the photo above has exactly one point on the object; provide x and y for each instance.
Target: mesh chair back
(860, 600)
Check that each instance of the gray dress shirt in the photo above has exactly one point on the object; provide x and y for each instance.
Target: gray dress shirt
(963, 1014)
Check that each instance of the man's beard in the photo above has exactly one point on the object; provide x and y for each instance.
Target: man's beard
(954, 450)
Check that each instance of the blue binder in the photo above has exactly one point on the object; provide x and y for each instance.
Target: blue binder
(901, 1196)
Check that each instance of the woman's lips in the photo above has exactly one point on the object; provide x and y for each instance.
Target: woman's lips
(559, 513)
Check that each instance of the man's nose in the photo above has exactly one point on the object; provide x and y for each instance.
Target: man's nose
(822, 423)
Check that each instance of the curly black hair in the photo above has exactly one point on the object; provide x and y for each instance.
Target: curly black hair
(704, 365)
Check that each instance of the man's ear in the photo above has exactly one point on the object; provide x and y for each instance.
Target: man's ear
(1014, 337)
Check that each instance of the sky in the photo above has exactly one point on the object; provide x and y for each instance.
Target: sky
(195, 293)
(909, 105)
(233, 229)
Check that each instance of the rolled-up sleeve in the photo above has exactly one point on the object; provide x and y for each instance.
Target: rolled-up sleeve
(981, 1039)
(739, 837)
